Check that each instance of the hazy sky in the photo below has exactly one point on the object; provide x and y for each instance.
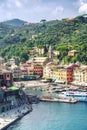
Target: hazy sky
(35, 10)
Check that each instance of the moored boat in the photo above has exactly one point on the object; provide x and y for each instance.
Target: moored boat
(78, 95)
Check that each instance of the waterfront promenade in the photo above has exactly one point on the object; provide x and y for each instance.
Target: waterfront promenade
(32, 83)
(39, 83)
(9, 117)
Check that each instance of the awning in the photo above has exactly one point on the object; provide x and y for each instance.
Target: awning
(59, 81)
(13, 88)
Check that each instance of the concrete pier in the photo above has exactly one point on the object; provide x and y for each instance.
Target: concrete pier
(50, 99)
(9, 117)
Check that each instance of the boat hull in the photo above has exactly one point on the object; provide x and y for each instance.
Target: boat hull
(80, 96)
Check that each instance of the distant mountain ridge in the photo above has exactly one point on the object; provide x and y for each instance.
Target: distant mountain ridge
(14, 22)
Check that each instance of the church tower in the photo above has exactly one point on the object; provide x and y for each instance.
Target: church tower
(50, 53)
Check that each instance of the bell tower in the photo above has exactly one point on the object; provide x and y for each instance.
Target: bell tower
(50, 53)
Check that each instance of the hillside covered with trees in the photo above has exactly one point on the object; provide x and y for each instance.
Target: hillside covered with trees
(63, 35)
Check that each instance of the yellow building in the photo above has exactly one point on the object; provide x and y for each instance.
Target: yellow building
(60, 74)
(72, 52)
(41, 51)
(80, 75)
(64, 74)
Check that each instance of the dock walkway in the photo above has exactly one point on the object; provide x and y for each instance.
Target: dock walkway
(48, 99)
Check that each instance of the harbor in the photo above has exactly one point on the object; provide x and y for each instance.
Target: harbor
(54, 116)
(38, 84)
(34, 92)
(56, 93)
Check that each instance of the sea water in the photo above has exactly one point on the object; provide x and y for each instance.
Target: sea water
(54, 116)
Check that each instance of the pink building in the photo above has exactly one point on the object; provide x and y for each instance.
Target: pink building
(32, 69)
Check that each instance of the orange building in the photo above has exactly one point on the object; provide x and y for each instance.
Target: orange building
(32, 69)
(70, 72)
(69, 75)
(72, 52)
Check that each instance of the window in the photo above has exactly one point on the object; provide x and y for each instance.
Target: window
(1, 76)
(8, 75)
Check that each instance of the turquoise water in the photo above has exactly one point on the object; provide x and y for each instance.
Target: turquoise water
(54, 116)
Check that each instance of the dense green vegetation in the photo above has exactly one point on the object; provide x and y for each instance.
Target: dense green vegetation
(63, 35)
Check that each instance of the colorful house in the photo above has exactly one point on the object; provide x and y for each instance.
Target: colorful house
(64, 74)
(15, 71)
(72, 52)
(48, 70)
(6, 78)
(32, 69)
(80, 75)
